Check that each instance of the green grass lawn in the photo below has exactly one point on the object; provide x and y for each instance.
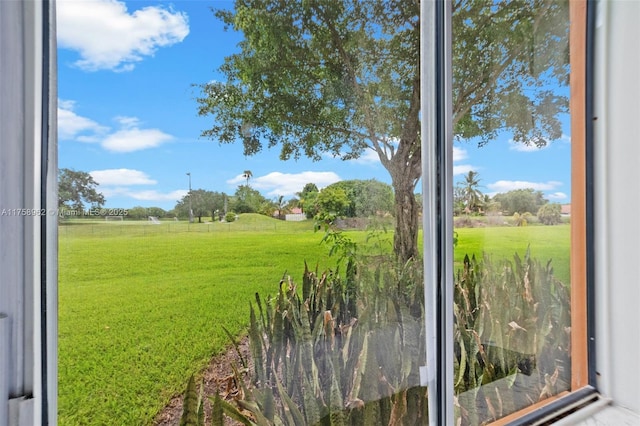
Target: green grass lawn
(140, 311)
(141, 306)
(545, 243)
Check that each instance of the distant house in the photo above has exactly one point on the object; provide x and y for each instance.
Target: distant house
(294, 214)
(565, 210)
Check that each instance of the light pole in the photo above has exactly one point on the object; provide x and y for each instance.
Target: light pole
(190, 206)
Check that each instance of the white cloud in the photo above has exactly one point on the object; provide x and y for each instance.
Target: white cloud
(121, 177)
(152, 195)
(118, 183)
(130, 137)
(74, 126)
(463, 169)
(368, 156)
(107, 36)
(127, 122)
(557, 196)
(459, 154)
(510, 185)
(66, 104)
(287, 184)
(134, 139)
(522, 147)
(143, 195)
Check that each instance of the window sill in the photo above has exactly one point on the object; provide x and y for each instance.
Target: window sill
(601, 413)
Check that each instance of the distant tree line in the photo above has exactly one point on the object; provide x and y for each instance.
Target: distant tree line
(351, 198)
(519, 203)
(77, 191)
(348, 198)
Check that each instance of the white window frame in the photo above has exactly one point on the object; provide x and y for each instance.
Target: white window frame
(437, 167)
(28, 176)
(28, 227)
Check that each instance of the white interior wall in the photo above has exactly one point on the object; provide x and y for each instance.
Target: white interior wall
(617, 201)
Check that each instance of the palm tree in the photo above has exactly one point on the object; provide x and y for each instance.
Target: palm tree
(472, 196)
(247, 175)
(280, 205)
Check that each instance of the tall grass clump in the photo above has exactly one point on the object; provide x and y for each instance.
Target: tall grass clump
(339, 349)
(511, 336)
(346, 348)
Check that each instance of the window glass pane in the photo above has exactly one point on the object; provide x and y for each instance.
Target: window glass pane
(183, 117)
(512, 187)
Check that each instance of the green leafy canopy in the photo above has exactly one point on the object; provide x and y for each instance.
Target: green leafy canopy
(316, 76)
(338, 77)
(75, 188)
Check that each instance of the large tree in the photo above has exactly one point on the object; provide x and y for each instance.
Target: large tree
(203, 203)
(308, 197)
(331, 203)
(366, 197)
(342, 76)
(247, 200)
(75, 188)
(520, 201)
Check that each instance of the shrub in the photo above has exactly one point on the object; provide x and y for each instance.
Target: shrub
(464, 222)
(521, 219)
(549, 214)
(230, 217)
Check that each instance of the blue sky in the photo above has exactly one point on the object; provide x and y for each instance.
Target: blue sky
(127, 114)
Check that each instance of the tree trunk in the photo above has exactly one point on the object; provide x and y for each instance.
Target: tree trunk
(405, 169)
(405, 239)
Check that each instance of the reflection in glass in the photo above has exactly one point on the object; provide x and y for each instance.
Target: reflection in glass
(512, 173)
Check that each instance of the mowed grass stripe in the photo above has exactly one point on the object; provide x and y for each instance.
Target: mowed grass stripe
(545, 243)
(139, 313)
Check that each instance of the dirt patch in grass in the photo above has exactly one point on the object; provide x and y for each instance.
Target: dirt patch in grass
(217, 377)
